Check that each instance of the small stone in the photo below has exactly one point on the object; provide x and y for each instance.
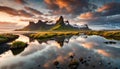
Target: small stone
(81, 59)
(38, 65)
(86, 64)
(93, 66)
(56, 63)
(116, 68)
(109, 63)
(89, 57)
(85, 61)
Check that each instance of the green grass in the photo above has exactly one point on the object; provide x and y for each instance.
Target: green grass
(107, 34)
(18, 44)
(48, 34)
(7, 37)
(43, 35)
(63, 28)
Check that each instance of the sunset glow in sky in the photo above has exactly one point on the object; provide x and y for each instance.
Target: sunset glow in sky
(91, 12)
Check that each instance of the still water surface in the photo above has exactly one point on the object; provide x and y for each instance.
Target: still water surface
(40, 54)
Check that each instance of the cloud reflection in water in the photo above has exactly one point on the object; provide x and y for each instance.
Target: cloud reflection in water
(42, 55)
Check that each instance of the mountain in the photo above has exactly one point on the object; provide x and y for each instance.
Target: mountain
(59, 25)
(63, 25)
(40, 25)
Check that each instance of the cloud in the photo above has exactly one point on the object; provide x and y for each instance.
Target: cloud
(15, 12)
(106, 10)
(24, 13)
(7, 25)
(34, 11)
(87, 15)
(8, 10)
(69, 6)
(110, 9)
(104, 53)
(90, 15)
(21, 1)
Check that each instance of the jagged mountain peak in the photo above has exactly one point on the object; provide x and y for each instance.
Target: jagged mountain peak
(60, 21)
(60, 25)
(40, 21)
(61, 18)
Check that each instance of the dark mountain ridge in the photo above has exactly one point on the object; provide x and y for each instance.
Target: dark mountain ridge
(59, 25)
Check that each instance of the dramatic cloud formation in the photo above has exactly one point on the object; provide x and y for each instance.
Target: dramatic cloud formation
(15, 12)
(110, 9)
(8, 10)
(88, 15)
(69, 6)
(106, 10)
(34, 11)
(76, 11)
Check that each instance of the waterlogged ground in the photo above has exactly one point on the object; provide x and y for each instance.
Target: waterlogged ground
(91, 52)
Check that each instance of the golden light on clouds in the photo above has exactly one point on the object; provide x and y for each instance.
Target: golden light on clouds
(62, 4)
(89, 45)
(102, 8)
(103, 52)
(87, 15)
(4, 17)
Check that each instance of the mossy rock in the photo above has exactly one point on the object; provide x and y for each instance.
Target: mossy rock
(18, 44)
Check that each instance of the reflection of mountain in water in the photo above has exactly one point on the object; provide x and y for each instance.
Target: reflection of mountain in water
(17, 51)
(59, 39)
(90, 51)
(4, 48)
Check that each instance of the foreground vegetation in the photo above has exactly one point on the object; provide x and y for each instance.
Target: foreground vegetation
(7, 37)
(43, 35)
(18, 44)
(107, 34)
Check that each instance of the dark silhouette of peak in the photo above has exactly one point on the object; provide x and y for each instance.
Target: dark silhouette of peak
(60, 21)
(67, 22)
(31, 23)
(40, 21)
(40, 25)
(63, 25)
(61, 18)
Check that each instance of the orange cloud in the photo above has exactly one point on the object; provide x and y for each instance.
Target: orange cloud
(103, 52)
(89, 45)
(105, 10)
(109, 6)
(101, 9)
(64, 4)
(87, 15)
(61, 4)
(68, 6)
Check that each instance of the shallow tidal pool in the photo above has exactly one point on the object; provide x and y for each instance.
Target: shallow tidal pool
(88, 52)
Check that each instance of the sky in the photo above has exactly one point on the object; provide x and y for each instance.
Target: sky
(99, 14)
